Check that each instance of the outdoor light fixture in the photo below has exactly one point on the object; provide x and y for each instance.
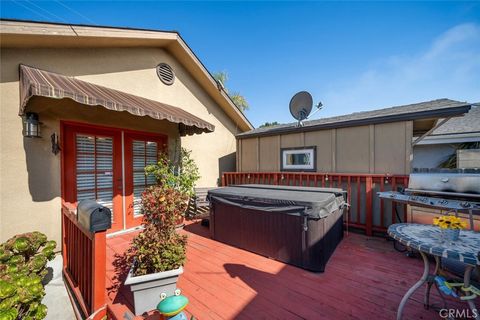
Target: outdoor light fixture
(31, 125)
(55, 143)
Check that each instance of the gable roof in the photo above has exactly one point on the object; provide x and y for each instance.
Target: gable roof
(440, 108)
(35, 34)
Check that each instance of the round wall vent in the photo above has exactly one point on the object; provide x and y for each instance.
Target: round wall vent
(165, 73)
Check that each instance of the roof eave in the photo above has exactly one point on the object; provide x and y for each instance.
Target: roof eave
(451, 138)
(15, 32)
(429, 114)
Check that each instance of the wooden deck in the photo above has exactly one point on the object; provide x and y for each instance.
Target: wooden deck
(365, 279)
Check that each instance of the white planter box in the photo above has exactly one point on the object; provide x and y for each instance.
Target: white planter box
(148, 288)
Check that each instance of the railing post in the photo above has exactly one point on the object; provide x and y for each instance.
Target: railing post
(368, 202)
(99, 272)
(275, 178)
(223, 179)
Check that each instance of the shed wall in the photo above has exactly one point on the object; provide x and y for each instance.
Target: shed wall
(379, 148)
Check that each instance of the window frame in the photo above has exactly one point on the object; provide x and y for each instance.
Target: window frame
(298, 150)
(134, 170)
(131, 219)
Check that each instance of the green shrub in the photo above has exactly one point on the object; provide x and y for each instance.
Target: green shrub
(23, 260)
(159, 247)
(181, 175)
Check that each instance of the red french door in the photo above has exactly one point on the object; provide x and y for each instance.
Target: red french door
(93, 168)
(107, 165)
(140, 151)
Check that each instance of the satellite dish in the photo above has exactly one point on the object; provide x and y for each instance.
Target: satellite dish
(301, 105)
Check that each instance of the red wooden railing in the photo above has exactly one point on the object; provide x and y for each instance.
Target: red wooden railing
(84, 264)
(367, 211)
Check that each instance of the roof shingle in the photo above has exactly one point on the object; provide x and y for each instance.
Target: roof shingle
(397, 113)
(469, 123)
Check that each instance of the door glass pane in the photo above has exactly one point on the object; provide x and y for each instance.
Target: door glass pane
(104, 162)
(144, 153)
(137, 199)
(94, 169)
(85, 181)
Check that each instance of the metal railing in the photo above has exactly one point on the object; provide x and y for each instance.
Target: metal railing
(84, 264)
(367, 211)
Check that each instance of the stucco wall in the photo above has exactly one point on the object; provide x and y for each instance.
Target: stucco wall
(381, 148)
(30, 194)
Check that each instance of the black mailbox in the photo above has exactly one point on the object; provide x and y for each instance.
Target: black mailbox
(93, 216)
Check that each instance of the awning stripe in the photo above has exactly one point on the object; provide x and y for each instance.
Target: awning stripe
(36, 82)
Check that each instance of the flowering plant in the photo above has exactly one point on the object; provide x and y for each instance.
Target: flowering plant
(449, 222)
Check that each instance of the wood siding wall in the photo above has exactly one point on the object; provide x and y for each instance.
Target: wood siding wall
(379, 148)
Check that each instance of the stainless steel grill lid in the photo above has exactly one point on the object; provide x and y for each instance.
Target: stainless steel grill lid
(468, 183)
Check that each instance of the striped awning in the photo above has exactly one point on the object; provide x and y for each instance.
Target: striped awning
(36, 82)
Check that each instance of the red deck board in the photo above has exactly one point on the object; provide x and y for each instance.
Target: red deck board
(365, 279)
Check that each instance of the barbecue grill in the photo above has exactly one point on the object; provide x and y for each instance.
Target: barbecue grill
(448, 190)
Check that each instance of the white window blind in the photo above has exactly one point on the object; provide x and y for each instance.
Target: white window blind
(144, 153)
(94, 169)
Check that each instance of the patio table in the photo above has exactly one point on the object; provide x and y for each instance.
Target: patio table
(427, 240)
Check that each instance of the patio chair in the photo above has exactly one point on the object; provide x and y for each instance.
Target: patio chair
(199, 206)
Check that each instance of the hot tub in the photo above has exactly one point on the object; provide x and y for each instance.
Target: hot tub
(296, 225)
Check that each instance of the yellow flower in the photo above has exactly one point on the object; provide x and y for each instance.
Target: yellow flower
(449, 222)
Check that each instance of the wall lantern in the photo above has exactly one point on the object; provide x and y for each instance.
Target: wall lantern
(31, 125)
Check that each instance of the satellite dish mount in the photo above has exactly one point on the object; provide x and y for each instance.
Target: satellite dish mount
(301, 106)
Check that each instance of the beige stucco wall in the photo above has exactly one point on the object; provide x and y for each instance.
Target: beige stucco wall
(30, 194)
(379, 148)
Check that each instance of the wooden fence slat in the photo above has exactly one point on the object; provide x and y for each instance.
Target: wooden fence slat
(382, 214)
(394, 187)
(368, 204)
(359, 194)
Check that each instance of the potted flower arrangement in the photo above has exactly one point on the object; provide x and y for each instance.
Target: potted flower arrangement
(450, 226)
(180, 175)
(157, 254)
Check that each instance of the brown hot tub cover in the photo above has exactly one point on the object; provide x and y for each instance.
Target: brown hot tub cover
(36, 82)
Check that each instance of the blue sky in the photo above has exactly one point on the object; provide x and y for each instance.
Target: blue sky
(352, 56)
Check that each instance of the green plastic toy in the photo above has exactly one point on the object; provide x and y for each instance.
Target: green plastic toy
(173, 305)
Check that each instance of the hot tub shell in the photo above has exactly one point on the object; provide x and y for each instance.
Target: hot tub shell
(296, 225)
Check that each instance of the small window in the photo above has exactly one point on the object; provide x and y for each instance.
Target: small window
(298, 159)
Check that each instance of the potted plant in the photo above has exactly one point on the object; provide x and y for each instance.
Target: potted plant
(180, 175)
(450, 227)
(23, 261)
(157, 253)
